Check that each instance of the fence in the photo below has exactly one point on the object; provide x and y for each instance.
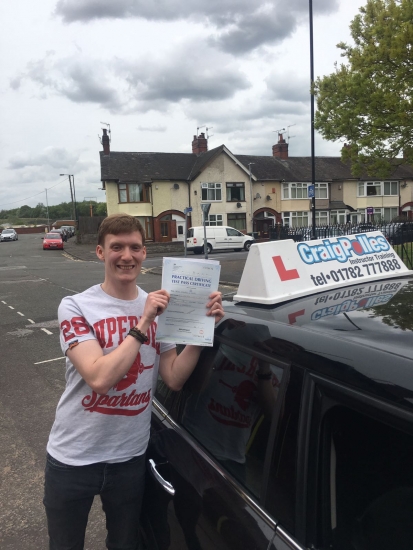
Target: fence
(399, 235)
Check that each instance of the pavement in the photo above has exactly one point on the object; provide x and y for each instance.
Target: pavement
(231, 269)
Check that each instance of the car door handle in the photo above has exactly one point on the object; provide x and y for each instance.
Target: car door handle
(165, 484)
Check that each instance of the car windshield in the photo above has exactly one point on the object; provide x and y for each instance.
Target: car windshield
(53, 236)
(8, 231)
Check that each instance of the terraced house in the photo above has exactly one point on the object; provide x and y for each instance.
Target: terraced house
(248, 192)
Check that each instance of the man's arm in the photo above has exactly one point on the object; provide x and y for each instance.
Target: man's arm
(102, 372)
(176, 369)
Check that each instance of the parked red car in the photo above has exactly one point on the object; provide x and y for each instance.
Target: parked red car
(52, 241)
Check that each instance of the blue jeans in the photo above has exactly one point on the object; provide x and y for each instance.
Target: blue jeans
(69, 494)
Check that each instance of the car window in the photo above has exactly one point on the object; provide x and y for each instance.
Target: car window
(226, 407)
(233, 232)
(368, 486)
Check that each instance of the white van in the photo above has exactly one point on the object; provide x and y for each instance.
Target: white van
(218, 238)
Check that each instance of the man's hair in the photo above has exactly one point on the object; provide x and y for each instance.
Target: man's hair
(117, 224)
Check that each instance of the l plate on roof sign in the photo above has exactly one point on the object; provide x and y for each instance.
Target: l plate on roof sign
(282, 270)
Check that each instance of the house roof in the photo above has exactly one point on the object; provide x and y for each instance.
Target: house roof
(124, 166)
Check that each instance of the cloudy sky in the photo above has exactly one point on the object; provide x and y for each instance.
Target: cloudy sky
(155, 70)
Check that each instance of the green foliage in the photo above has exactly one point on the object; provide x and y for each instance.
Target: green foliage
(64, 211)
(368, 102)
(396, 313)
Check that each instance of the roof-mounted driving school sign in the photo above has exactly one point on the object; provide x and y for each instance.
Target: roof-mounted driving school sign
(282, 270)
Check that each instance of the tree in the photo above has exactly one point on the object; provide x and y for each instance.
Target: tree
(368, 102)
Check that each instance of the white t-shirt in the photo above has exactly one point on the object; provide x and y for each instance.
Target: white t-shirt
(88, 427)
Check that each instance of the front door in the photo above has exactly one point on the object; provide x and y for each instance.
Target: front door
(263, 227)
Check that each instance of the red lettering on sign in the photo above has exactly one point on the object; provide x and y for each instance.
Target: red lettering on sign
(284, 274)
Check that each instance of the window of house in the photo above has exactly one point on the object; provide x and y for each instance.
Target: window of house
(390, 188)
(238, 221)
(321, 217)
(321, 191)
(338, 217)
(373, 188)
(389, 214)
(235, 191)
(378, 188)
(211, 192)
(214, 220)
(133, 192)
(180, 229)
(368, 485)
(295, 191)
(295, 219)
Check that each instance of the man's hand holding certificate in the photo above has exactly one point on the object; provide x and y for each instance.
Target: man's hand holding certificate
(189, 283)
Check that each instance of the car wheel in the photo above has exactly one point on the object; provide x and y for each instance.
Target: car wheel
(209, 248)
(247, 245)
(197, 250)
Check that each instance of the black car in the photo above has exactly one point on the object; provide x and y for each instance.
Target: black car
(295, 430)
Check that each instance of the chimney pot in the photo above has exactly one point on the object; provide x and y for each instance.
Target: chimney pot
(199, 144)
(105, 142)
(280, 149)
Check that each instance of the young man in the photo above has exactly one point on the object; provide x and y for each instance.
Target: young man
(98, 440)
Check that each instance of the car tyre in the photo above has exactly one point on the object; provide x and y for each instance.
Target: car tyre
(208, 247)
(247, 245)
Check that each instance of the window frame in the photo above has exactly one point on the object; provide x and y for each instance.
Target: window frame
(289, 217)
(211, 186)
(234, 216)
(363, 187)
(146, 195)
(217, 222)
(321, 395)
(291, 188)
(229, 185)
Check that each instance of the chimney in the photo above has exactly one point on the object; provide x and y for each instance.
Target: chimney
(280, 149)
(105, 142)
(199, 144)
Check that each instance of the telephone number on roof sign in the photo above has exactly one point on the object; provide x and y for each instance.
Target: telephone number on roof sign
(356, 272)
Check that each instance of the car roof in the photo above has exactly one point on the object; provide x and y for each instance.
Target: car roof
(361, 334)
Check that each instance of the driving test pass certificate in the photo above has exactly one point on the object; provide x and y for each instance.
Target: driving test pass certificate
(189, 282)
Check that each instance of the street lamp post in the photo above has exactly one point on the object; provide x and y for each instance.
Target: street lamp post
(252, 216)
(312, 118)
(47, 210)
(72, 194)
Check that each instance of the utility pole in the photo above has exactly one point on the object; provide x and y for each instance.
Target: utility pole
(72, 195)
(252, 216)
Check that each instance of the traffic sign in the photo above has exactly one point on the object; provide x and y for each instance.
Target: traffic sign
(311, 192)
(188, 209)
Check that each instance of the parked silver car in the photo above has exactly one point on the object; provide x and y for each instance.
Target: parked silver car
(9, 235)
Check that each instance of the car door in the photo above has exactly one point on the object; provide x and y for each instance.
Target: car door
(235, 239)
(212, 447)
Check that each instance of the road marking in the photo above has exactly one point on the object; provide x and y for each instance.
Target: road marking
(4, 302)
(22, 314)
(11, 307)
(70, 257)
(30, 321)
(11, 267)
(49, 360)
(46, 331)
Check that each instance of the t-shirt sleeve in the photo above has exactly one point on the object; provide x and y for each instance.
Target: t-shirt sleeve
(74, 328)
(165, 346)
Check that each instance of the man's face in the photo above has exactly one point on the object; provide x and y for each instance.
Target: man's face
(123, 256)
